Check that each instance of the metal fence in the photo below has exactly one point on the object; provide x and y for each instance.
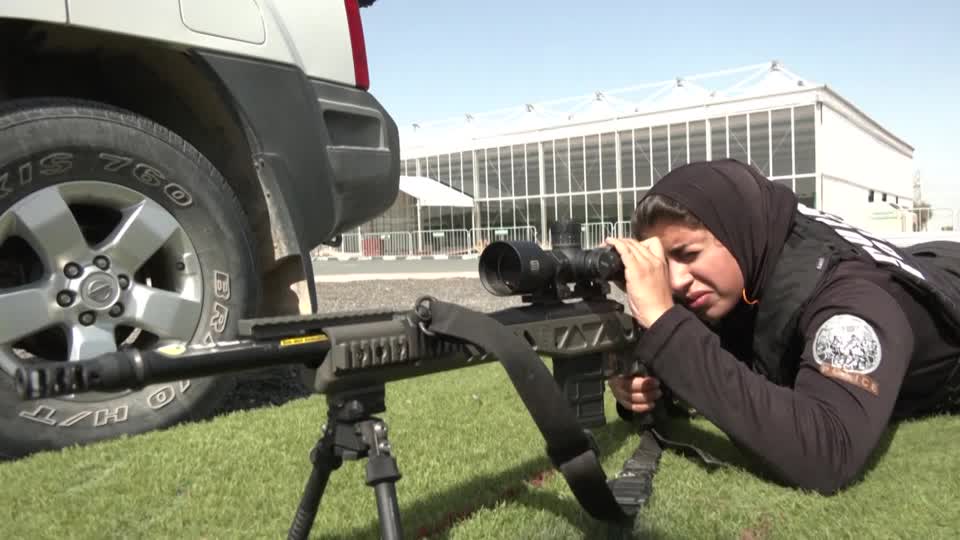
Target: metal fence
(443, 242)
(451, 241)
(386, 244)
(349, 245)
(594, 234)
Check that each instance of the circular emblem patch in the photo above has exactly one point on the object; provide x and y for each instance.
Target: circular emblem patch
(847, 342)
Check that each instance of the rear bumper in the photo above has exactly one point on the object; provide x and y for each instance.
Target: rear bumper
(328, 155)
(362, 148)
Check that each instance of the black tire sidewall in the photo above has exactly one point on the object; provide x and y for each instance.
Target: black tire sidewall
(64, 144)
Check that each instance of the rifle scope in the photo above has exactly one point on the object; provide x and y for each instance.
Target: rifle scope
(511, 267)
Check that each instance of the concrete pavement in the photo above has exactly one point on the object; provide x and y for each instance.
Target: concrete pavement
(354, 270)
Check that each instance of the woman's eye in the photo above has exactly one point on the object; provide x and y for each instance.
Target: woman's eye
(687, 256)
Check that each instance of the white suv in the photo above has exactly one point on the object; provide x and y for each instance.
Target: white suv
(166, 166)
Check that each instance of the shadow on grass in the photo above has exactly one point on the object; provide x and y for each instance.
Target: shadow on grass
(432, 518)
(271, 386)
(726, 450)
(717, 445)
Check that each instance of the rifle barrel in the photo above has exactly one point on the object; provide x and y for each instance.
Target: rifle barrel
(132, 368)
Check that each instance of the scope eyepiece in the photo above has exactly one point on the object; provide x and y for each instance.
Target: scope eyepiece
(603, 264)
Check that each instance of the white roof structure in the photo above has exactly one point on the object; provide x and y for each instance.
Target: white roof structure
(758, 80)
(429, 192)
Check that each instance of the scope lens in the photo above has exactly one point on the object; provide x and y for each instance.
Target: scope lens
(500, 269)
(508, 268)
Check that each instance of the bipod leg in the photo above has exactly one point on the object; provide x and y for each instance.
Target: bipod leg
(353, 433)
(382, 474)
(325, 459)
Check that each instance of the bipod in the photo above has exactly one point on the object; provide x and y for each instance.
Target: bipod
(352, 433)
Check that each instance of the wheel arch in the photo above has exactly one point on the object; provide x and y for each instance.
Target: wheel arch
(125, 71)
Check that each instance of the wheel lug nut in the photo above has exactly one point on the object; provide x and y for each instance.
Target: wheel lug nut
(65, 298)
(101, 262)
(116, 310)
(72, 270)
(87, 318)
(123, 281)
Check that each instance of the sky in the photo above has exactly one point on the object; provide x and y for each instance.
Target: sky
(899, 62)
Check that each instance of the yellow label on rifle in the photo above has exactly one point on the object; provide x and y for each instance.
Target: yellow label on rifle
(175, 349)
(302, 340)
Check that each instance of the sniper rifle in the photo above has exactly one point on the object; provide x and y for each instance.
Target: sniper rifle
(353, 355)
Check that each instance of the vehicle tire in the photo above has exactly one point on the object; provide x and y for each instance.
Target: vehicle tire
(80, 180)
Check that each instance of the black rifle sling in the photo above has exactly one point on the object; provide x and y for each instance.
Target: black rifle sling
(571, 449)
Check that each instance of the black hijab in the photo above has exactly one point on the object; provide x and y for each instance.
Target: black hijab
(748, 213)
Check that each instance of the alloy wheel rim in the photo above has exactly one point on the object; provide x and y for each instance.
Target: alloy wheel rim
(87, 267)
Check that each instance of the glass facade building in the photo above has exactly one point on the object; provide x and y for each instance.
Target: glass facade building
(597, 178)
(593, 165)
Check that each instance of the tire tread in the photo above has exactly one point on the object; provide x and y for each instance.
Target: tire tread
(22, 111)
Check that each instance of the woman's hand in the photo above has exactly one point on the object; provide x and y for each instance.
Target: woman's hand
(647, 277)
(635, 393)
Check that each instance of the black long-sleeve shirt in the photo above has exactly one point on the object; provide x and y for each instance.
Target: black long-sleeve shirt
(819, 433)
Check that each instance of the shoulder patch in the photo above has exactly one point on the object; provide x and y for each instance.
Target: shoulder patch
(846, 347)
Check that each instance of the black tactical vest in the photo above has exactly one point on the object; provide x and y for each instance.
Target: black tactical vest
(817, 243)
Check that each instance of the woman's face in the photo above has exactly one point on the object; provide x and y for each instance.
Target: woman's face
(704, 275)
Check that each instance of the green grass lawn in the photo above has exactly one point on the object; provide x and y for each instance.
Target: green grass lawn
(471, 460)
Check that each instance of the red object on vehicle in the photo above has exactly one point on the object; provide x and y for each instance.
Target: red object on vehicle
(360, 70)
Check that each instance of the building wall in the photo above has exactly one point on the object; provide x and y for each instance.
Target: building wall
(859, 156)
(861, 168)
(840, 197)
(853, 203)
